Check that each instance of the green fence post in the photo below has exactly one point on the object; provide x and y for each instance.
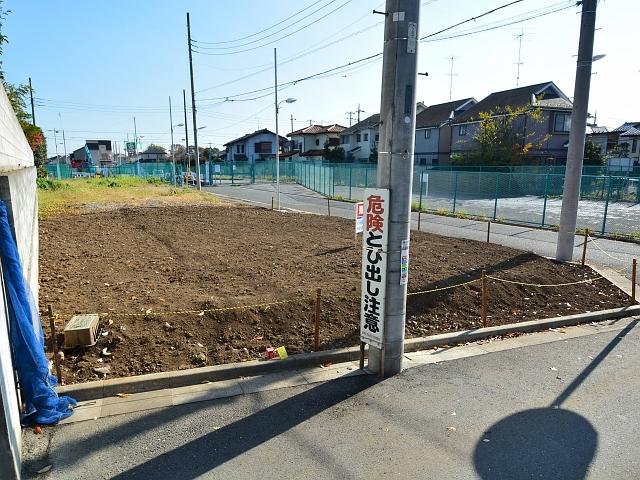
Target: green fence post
(351, 178)
(606, 208)
(455, 190)
(366, 177)
(495, 201)
(232, 172)
(544, 205)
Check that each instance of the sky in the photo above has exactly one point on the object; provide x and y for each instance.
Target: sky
(97, 65)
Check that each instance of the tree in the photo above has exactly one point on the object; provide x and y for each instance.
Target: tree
(373, 156)
(592, 154)
(17, 94)
(210, 153)
(502, 137)
(620, 150)
(336, 154)
(153, 148)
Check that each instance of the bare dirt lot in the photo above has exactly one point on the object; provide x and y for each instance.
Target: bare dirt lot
(139, 260)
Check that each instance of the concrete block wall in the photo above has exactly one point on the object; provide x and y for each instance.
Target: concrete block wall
(18, 191)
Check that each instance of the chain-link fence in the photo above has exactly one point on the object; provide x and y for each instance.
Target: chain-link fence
(529, 195)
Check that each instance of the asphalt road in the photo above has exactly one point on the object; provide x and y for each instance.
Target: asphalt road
(600, 252)
(563, 410)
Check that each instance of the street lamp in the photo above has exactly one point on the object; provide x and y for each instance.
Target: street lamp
(287, 100)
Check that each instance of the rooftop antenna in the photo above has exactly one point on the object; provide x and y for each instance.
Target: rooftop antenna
(519, 36)
(451, 75)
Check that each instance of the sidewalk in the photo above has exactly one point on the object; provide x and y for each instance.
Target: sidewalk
(613, 254)
(485, 410)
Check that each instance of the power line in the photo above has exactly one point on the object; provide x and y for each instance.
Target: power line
(261, 31)
(277, 39)
(322, 7)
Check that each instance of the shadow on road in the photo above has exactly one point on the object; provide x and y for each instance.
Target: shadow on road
(543, 442)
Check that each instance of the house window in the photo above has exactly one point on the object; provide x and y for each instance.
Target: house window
(427, 133)
(377, 137)
(263, 147)
(562, 123)
(358, 138)
(634, 145)
(366, 137)
(423, 161)
(344, 139)
(317, 142)
(462, 130)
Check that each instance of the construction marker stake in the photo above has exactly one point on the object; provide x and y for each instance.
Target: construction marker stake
(488, 231)
(419, 219)
(54, 344)
(328, 206)
(584, 246)
(362, 355)
(634, 280)
(316, 336)
(485, 297)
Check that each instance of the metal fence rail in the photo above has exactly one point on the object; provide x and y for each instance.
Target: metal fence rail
(524, 194)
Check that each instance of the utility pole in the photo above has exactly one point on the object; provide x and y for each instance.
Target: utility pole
(292, 122)
(64, 141)
(350, 117)
(33, 110)
(451, 75)
(519, 36)
(577, 133)
(186, 134)
(395, 168)
(55, 140)
(275, 91)
(193, 107)
(359, 112)
(173, 156)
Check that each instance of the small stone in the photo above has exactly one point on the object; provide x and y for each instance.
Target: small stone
(102, 370)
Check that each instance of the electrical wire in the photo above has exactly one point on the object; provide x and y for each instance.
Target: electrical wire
(278, 39)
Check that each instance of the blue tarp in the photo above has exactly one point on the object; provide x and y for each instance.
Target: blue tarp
(43, 405)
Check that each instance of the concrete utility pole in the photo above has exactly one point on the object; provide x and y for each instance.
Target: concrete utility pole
(359, 111)
(193, 108)
(577, 134)
(135, 139)
(173, 157)
(350, 117)
(33, 110)
(451, 75)
(395, 165)
(186, 133)
(275, 91)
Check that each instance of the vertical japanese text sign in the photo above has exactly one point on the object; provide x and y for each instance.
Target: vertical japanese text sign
(359, 217)
(374, 265)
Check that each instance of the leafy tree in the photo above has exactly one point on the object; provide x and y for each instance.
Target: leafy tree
(17, 94)
(336, 154)
(211, 153)
(592, 154)
(373, 156)
(620, 150)
(501, 138)
(153, 148)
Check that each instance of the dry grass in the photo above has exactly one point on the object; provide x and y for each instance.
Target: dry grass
(82, 194)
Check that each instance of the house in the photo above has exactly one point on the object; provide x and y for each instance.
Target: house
(433, 131)
(600, 137)
(549, 138)
(628, 141)
(310, 141)
(153, 153)
(94, 153)
(259, 145)
(360, 141)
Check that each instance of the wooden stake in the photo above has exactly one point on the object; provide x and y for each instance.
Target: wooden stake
(362, 355)
(316, 336)
(419, 212)
(634, 280)
(584, 246)
(328, 206)
(271, 203)
(381, 373)
(488, 231)
(485, 297)
(54, 344)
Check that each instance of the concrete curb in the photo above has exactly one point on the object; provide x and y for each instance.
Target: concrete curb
(156, 381)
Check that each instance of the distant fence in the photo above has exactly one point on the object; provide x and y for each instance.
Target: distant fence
(528, 194)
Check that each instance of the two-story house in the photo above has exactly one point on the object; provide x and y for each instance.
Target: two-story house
(628, 139)
(360, 140)
(310, 141)
(548, 138)
(259, 145)
(433, 131)
(94, 153)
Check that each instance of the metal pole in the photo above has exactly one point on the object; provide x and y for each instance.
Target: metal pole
(544, 206)
(634, 268)
(193, 108)
(135, 139)
(573, 174)
(419, 214)
(485, 298)
(606, 208)
(186, 136)
(395, 168)
(55, 140)
(275, 91)
(489, 231)
(33, 110)
(173, 156)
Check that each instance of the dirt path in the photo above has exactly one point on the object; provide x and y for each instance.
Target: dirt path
(194, 258)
